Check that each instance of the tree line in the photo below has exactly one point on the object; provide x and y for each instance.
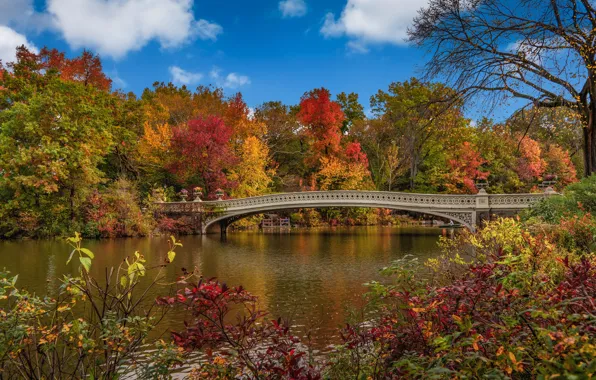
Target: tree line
(77, 156)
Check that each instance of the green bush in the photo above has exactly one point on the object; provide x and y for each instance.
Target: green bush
(577, 199)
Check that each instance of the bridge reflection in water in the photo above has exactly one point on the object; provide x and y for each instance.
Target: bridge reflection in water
(468, 210)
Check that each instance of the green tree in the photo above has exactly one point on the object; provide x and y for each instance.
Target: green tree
(284, 142)
(51, 145)
(351, 108)
(421, 116)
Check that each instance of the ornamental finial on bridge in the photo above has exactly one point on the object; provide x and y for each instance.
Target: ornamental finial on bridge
(219, 193)
(548, 184)
(481, 184)
(158, 195)
(197, 192)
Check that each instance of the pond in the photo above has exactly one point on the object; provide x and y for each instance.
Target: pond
(312, 277)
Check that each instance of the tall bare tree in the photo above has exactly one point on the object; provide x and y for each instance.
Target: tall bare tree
(539, 51)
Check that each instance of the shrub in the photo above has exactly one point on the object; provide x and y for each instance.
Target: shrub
(519, 307)
(250, 347)
(91, 329)
(115, 212)
(577, 199)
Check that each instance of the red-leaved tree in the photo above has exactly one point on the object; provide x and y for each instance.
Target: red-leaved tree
(465, 168)
(323, 119)
(86, 68)
(202, 153)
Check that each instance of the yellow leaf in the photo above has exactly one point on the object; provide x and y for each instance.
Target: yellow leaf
(62, 308)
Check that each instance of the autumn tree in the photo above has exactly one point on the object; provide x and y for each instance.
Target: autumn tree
(530, 165)
(284, 141)
(51, 146)
(560, 126)
(168, 104)
(86, 68)
(155, 144)
(323, 119)
(202, 153)
(253, 174)
(542, 53)
(421, 117)
(348, 171)
(238, 117)
(558, 164)
(379, 141)
(465, 168)
(500, 149)
(129, 119)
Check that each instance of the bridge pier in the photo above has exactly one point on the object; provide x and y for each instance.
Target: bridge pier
(223, 228)
(482, 209)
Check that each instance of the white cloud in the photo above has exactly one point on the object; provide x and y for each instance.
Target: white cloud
(181, 76)
(357, 47)
(293, 8)
(9, 41)
(116, 27)
(232, 80)
(373, 22)
(208, 30)
(21, 14)
(117, 81)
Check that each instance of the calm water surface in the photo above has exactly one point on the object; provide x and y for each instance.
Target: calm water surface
(311, 277)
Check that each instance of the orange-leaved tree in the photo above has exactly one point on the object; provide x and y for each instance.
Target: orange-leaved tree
(465, 167)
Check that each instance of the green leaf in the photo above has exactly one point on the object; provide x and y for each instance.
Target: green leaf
(175, 243)
(171, 256)
(70, 257)
(75, 239)
(88, 252)
(123, 281)
(141, 269)
(86, 263)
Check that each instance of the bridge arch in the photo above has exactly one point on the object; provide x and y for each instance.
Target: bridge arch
(212, 225)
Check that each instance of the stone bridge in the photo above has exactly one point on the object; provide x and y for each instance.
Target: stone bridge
(469, 210)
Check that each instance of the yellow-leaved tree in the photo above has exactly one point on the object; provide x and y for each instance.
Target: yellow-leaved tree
(254, 173)
(338, 174)
(155, 144)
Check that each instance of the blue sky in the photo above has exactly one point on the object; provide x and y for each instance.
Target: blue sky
(267, 49)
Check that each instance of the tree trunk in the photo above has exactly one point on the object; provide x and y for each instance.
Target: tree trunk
(413, 171)
(72, 210)
(590, 143)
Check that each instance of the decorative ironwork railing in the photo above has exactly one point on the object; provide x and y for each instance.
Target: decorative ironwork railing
(358, 198)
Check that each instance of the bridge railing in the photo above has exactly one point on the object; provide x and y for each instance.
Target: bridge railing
(364, 198)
